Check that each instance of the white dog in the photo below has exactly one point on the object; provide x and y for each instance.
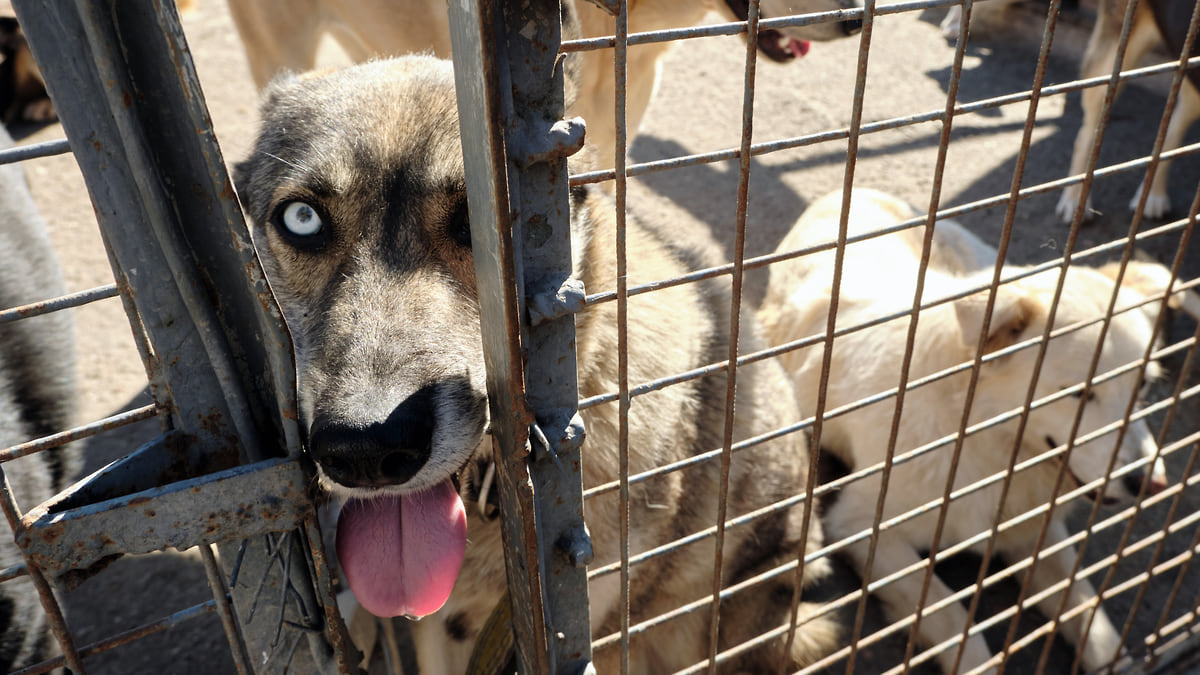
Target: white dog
(879, 278)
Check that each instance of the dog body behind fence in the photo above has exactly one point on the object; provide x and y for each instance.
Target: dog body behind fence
(358, 212)
(37, 383)
(868, 361)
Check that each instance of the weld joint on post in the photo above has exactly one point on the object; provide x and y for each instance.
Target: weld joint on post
(543, 142)
(568, 298)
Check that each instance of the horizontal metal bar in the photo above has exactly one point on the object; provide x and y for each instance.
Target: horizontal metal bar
(34, 151)
(56, 304)
(791, 143)
(269, 496)
(125, 637)
(78, 433)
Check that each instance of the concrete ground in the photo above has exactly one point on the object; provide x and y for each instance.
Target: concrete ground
(697, 109)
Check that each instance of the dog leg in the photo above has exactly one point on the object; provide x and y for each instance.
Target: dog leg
(277, 35)
(900, 597)
(1097, 61)
(1187, 109)
(1103, 641)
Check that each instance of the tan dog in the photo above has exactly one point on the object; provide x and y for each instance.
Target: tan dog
(879, 279)
(284, 35)
(359, 213)
(1098, 62)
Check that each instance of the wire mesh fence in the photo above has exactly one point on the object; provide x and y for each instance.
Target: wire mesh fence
(992, 449)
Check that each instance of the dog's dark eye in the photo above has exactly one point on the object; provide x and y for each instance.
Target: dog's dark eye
(300, 219)
(459, 225)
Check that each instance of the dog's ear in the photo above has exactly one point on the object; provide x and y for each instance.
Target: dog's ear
(1013, 312)
(1148, 278)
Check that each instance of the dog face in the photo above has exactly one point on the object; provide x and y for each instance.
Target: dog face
(356, 193)
(792, 42)
(1021, 313)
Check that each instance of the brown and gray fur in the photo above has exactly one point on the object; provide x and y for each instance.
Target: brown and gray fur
(384, 308)
(1098, 62)
(284, 35)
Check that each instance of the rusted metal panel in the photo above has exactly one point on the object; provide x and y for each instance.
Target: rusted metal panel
(515, 144)
(237, 503)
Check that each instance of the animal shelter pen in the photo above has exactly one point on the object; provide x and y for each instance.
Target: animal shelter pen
(226, 474)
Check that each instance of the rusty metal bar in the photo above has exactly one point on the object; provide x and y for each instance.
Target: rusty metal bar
(54, 614)
(125, 637)
(34, 151)
(624, 397)
(224, 608)
(56, 304)
(510, 89)
(78, 433)
(909, 120)
(909, 346)
(829, 487)
(852, 139)
(735, 314)
(1172, 99)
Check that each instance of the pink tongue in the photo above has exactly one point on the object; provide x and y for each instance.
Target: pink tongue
(798, 48)
(401, 555)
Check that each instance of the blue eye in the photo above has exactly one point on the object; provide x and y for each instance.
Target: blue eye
(301, 219)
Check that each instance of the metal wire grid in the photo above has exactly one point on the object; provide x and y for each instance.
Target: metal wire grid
(1170, 629)
(1169, 633)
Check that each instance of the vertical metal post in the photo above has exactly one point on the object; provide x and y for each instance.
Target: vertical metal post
(510, 89)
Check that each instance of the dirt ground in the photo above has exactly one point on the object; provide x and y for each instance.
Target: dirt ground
(696, 109)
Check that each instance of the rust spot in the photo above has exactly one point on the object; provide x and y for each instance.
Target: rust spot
(126, 99)
(138, 501)
(227, 191)
(50, 533)
(150, 513)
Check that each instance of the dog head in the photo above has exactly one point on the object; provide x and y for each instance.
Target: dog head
(792, 42)
(357, 200)
(1021, 312)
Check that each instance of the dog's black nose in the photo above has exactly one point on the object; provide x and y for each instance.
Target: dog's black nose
(1133, 483)
(377, 454)
(852, 26)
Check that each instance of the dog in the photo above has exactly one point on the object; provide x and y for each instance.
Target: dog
(284, 35)
(356, 199)
(867, 362)
(37, 398)
(1155, 23)
(23, 96)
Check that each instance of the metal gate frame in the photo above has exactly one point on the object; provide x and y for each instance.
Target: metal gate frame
(228, 467)
(132, 107)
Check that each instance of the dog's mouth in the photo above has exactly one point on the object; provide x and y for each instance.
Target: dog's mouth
(401, 553)
(781, 48)
(1093, 495)
(777, 46)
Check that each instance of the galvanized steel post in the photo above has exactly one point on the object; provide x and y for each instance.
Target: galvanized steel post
(510, 91)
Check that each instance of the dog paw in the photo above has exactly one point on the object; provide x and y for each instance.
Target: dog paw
(1069, 201)
(1157, 205)
(950, 24)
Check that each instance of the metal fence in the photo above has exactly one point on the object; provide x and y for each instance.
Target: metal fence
(226, 473)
